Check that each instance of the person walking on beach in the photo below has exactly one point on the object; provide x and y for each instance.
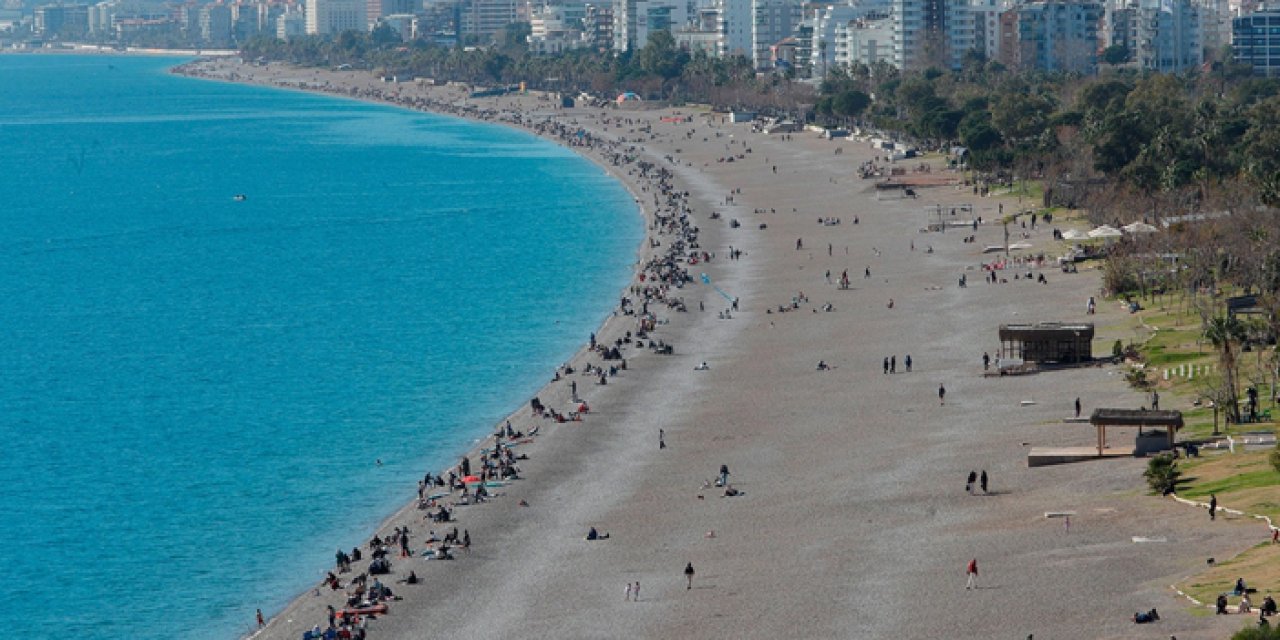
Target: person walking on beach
(688, 573)
(893, 364)
(262, 622)
(627, 595)
(986, 361)
(971, 575)
(942, 395)
(1077, 407)
(907, 361)
(724, 476)
(635, 592)
(1213, 506)
(662, 439)
(886, 366)
(983, 481)
(968, 483)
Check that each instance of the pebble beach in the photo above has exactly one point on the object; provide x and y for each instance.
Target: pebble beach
(851, 518)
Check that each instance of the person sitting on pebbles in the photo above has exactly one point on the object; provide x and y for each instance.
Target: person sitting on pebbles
(592, 534)
(1146, 617)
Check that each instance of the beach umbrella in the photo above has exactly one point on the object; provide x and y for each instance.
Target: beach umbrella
(1105, 231)
(1074, 234)
(470, 479)
(1139, 227)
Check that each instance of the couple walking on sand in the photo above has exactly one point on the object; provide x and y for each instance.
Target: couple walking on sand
(973, 477)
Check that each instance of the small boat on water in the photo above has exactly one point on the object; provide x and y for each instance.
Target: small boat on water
(240, 197)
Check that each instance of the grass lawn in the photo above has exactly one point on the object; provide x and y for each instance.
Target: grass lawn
(1259, 566)
(1244, 481)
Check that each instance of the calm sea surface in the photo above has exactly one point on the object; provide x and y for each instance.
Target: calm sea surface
(194, 390)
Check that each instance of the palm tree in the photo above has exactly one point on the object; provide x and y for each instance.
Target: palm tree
(1223, 332)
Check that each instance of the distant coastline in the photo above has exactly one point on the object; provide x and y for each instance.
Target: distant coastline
(90, 49)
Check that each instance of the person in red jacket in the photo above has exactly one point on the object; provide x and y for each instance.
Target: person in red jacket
(972, 574)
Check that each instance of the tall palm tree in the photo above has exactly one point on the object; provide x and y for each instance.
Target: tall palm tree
(1223, 332)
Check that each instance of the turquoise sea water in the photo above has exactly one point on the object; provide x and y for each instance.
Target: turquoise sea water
(194, 389)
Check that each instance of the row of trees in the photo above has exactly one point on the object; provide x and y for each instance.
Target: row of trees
(659, 70)
(1162, 136)
(1199, 261)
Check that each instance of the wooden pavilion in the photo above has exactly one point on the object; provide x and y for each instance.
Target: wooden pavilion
(1168, 420)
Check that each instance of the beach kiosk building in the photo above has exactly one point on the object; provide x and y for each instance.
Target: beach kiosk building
(1047, 342)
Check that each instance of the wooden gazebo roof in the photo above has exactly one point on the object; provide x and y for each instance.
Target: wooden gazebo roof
(1136, 418)
(1045, 330)
(1170, 420)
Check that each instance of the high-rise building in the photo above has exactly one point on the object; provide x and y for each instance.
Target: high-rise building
(290, 25)
(100, 16)
(702, 33)
(735, 25)
(376, 9)
(771, 22)
(986, 26)
(1058, 35)
(1255, 41)
(848, 34)
(1120, 27)
(803, 33)
(932, 33)
(61, 20)
(215, 25)
(634, 20)
(439, 22)
(483, 18)
(244, 20)
(1167, 36)
(328, 17)
(1008, 39)
(555, 28)
(597, 26)
(1215, 24)
(866, 40)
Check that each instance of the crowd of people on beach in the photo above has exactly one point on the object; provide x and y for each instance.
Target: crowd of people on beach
(481, 478)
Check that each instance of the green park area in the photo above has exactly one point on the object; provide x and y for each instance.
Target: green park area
(1191, 357)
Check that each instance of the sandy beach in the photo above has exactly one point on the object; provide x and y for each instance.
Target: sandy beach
(852, 518)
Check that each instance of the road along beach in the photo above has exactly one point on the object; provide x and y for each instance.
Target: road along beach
(850, 518)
